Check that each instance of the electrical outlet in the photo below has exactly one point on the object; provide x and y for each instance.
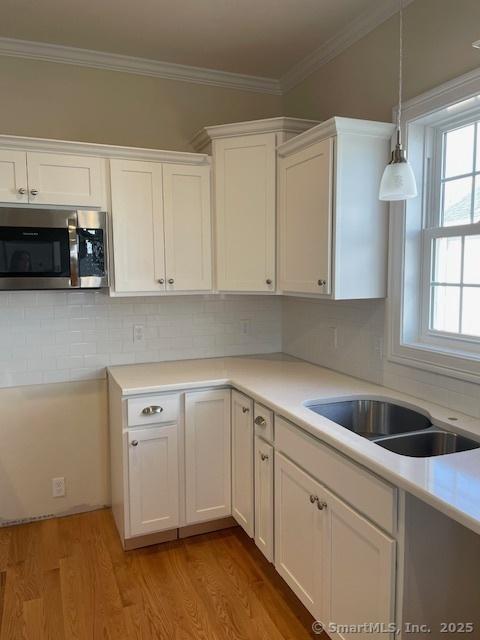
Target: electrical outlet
(58, 487)
(138, 333)
(245, 326)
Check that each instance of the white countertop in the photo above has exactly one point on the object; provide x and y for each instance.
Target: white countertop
(450, 483)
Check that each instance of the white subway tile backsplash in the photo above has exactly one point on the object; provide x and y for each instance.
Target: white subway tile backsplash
(58, 336)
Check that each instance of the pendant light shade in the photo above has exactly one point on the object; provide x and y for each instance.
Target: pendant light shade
(398, 180)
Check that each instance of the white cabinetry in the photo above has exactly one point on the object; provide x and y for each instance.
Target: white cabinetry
(207, 455)
(332, 226)
(242, 462)
(264, 497)
(51, 178)
(153, 479)
(161, 227)
(244, 162)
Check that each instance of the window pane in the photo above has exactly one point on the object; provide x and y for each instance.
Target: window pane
(476, 207)
(457, 202)
(446, 309)
(448, 260)
(471, 311)
(471, 264)
(459, 151)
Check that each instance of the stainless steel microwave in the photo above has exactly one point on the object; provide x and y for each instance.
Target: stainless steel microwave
(53, 249)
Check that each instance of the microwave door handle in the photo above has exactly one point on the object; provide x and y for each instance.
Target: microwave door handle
(73, 241)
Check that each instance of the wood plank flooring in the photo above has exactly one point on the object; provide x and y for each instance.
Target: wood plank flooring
(69, 579)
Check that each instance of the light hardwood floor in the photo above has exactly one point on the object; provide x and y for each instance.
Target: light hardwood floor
(69, 579)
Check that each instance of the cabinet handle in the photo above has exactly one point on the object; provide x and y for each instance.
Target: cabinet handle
(263, 456)
(34, 192)
(260, 420)
(321, 505)
(268, 281)
(171, 281)
(152, 410)
(313, 498)
(134, 443)
(322, 283)
(161, 280)
(22, 191)
(245, 409)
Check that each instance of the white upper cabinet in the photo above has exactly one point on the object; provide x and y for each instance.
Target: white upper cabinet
(137, 216)
(48, 178)
(244, 162)
(161, 227)
(188, 230)
(13, 176)
(332, 226)
(60, 179)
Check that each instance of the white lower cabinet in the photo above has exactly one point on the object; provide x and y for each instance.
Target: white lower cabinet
(359, 572)
(207, 455)
(242, 462)
(299, 534)
(153, 479)
(264, 497)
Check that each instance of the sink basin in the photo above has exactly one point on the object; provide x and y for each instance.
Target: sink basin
(372, 418)
(428, 443)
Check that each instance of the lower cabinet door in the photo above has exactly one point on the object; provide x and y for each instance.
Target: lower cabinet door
(153, 479)
(360, 573)
(207, 455)
(242, 462)
(300, 527)
(264, 497)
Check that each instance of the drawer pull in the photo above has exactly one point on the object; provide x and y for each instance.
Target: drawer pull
(260, 421)
(321, 505)
(152, 410)
(134, 443)
(313, 498)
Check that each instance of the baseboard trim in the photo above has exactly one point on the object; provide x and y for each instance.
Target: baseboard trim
(151, 538)
(206, 527)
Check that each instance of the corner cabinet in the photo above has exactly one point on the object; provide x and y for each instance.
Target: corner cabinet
(242, 462)
(332, 226)
(161, 227)
(245, 169)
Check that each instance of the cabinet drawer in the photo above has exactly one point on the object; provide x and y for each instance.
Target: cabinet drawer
(366, 492)
(152, 409)
(263, 419)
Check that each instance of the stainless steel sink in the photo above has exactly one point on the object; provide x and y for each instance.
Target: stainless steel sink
(428, 443)
(372, 418)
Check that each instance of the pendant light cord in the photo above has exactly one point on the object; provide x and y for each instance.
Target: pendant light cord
(400, 71)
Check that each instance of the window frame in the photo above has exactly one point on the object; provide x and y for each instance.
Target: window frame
(413, 224)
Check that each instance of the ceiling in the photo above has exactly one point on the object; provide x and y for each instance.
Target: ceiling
(256, 37)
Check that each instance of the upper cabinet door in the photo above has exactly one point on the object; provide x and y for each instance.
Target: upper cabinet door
(245, 184)
(305, 216)
(137, 215)
(60, 179)
(13, 176)
(188, 231)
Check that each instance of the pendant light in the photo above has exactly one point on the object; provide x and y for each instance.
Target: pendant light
(398, 181)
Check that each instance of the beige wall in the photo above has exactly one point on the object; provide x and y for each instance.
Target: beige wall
(362, 81)
(49, 100)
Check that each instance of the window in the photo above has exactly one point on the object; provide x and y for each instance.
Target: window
(434, 295)
(452, 241)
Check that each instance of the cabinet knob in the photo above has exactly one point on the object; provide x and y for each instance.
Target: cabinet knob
(161, 280)
(263, 456)
(313, 498)
(268, 281)
(260, 420)
(34, 192)
(22, 191)
(152, 410)
(245, 409)
(321, 505)
(322, 283)
(171, 281)
(134, 443)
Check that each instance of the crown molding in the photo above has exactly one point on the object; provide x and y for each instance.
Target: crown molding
(333, 127)
(48, 145)
(268, 125)
(139, 66)
(336, 45)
